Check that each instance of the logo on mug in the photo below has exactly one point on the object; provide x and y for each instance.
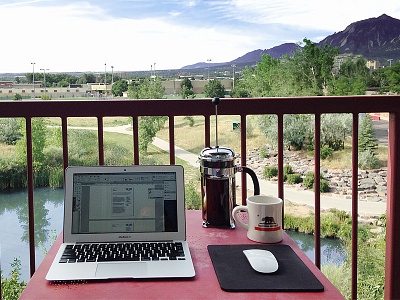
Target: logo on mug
(267, 224)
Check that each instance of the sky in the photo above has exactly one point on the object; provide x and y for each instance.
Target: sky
(135, 35)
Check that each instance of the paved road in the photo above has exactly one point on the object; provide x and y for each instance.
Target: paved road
(381, 131)
(267, 187)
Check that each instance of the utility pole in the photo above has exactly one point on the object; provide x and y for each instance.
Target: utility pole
(390, 62)
(44, 78)
(233, 82)
(105, 78)
(33, 79)
(208, 61)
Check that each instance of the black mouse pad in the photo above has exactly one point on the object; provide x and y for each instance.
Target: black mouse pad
(236, 275)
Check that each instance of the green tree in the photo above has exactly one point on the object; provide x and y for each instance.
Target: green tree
(39, 133)
(119, 88)
(45, 97)
(335, 128)
(354, 76)
(148, 125)
(63, 83)
(296, 128)
(305, 73)
(146, 89)
(17, 97)
(388, 78)
(315, 63)
(9, 131)
(187, 89)
(214, 88)
(366, 137)
(88, 78)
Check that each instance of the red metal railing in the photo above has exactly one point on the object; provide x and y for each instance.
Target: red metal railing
(242, 107)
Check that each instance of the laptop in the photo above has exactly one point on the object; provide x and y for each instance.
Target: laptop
(123, 222)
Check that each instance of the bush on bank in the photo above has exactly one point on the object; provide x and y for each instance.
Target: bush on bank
(371, 252)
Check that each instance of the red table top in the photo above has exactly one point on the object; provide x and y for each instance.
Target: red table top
(204, 285)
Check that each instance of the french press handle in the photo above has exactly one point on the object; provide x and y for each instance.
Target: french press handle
(253, 176)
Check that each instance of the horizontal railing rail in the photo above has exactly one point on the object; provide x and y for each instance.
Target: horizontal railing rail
(243, 108)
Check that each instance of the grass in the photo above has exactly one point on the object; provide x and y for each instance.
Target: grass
(192, 139)
(90, 121)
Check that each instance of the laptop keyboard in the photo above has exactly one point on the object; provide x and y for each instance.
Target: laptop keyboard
(123, 252)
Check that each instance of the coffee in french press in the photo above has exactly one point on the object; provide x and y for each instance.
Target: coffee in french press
(218, 187)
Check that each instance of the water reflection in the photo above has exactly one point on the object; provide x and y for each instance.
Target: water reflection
(14, 233)
(332, 250)
(14, 230)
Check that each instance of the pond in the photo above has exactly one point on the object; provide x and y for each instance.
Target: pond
(14, 238)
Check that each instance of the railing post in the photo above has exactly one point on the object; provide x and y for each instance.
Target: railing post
(64, 130)
(171, 140)
(392, 265)
(207, 135)
(135, 139)
(317, 189)
(354, 209)
(31, 214)
(243, 151)
(100, 137)
(280, 166)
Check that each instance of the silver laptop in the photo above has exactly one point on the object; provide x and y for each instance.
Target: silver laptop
(123, 222)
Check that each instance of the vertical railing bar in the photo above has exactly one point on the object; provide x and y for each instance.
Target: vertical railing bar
(243, 152)
(317, 190)
(392, 263)
(280, 166)
(31, 214)
(100, 139)
(171, 140)
(207, 130)
(354, 209)
(64, 132)
(135, 140)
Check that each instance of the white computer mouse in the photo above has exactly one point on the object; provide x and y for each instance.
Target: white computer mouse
(262, 261)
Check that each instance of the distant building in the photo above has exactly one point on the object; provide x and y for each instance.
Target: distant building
(373, 65)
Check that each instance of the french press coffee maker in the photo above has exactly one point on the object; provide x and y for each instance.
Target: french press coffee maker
(218, 187)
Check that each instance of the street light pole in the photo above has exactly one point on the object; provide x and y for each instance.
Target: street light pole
(33, 79)
(112, 79)
(208, 61)
(44, 78)
(233, 82)
(105, 78)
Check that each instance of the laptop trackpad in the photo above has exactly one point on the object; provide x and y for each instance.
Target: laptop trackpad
(119, 270)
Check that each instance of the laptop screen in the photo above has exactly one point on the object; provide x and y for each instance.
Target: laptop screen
(137, 202)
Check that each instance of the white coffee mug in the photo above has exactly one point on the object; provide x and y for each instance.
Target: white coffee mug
(264, 218)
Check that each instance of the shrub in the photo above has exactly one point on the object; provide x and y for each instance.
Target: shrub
(263, 152)
(287, 170)
(192, 195)
(310, 184)
(326, 151)
(294, 178)
(368, 160)
(11, 288)
(270, 172)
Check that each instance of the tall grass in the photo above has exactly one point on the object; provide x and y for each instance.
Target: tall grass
(371, 253)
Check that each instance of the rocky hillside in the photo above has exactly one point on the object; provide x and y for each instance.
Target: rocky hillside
(375, 38)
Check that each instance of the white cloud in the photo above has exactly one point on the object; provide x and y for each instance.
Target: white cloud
(82, 38)
(323, 15)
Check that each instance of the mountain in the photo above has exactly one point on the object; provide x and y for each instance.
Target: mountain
(250, 58)
(275, 52)
(372, 38)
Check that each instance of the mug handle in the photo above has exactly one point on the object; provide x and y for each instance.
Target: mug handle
(235, 211)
